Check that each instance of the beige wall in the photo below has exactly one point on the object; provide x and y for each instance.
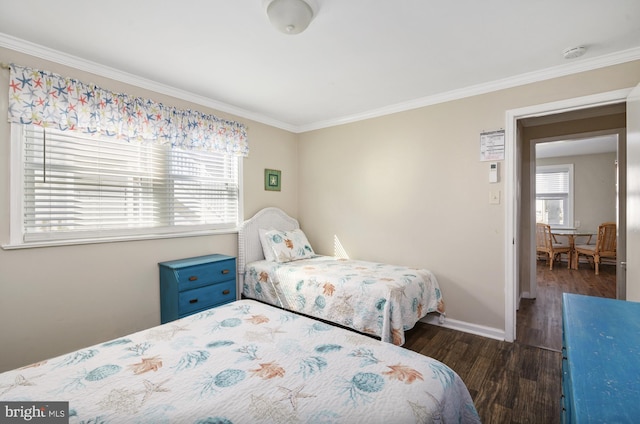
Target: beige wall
(409, 188)
(594, 187)
(57, 299)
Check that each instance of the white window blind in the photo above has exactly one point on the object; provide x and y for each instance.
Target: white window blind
(554, 182)
(78, 186)
(554, 195)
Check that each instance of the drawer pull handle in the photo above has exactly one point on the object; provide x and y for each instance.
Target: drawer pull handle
(226, 291)
(193, 278)
(193, 301)
(225, 271)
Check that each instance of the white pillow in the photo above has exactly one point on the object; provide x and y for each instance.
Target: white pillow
(289, 246)
(266, 247)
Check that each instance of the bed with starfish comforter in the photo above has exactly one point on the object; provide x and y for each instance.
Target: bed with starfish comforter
(244, 362)
(378, 299)
(278, 266)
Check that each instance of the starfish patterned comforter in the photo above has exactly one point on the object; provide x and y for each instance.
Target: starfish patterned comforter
(245, 362)
(373, 298)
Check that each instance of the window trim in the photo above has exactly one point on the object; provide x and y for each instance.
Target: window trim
(16, 203)
(565, 167)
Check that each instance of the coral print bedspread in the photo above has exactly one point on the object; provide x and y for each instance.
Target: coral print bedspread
(373, 298)
(245, 362)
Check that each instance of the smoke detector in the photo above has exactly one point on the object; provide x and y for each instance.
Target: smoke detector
(573, 52)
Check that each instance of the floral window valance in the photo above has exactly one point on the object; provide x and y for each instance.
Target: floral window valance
(50, 100)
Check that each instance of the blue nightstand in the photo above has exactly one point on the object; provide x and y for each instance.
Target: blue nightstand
(192, 285)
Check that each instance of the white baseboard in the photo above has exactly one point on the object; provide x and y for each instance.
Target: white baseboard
(466, 327)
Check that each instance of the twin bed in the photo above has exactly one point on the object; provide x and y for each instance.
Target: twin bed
(250, 362)
(277, 265)
(244, 362)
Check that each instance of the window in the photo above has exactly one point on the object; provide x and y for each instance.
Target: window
(71, 186)
(554, 195)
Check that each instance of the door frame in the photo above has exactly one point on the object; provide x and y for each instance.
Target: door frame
(513, 147)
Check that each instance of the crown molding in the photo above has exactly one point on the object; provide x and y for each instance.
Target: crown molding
(475, 90)
(56, 56)
(62, 58)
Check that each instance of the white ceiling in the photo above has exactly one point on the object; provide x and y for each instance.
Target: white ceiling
(357, 59)
(584, 146)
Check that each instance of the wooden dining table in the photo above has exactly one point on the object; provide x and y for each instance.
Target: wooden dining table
(572, 235)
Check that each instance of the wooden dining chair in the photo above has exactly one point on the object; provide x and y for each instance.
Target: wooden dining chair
(546, 244)
(605, 247)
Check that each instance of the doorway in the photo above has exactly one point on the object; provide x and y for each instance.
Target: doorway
(591, 174)
(520, 248)
(573, 182)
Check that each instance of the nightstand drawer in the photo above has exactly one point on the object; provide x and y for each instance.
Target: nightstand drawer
(206, 297)
(205, 274)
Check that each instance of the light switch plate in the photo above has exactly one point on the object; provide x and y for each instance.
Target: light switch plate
(494, 197)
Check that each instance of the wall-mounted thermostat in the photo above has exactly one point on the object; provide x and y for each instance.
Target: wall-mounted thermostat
(493, 172)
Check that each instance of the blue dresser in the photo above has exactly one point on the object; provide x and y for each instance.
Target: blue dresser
(600, 360)
(192, 285)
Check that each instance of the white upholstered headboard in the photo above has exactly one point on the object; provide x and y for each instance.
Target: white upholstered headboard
(249, 246)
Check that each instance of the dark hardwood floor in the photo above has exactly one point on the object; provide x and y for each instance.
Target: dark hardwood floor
(516, 382)
(539, 321)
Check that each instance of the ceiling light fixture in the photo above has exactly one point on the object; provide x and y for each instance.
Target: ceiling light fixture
(290, 16)
(573, 52)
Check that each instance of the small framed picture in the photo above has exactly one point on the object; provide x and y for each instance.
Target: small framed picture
(272, 179)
